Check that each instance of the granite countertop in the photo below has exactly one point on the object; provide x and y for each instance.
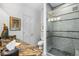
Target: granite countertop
(29, 50)
(26, 49)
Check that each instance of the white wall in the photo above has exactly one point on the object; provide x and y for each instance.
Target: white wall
(4, 18)
(35, 24)
(34, 27)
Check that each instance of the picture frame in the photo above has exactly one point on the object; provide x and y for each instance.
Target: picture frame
(15, 23)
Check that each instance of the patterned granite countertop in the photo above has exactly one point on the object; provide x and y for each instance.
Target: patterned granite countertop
(26, 49)
(29, 50)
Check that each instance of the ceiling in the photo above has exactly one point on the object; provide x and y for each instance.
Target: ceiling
(55, 4)
(18, 9)
(51, 6)
(33, 6)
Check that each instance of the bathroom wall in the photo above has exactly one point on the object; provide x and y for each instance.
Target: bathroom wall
(33, 27)
(63, 33)
(3, 19)
(13, 10)
(23, 11)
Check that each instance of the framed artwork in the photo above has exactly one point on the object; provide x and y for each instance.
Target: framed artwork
(15, 23)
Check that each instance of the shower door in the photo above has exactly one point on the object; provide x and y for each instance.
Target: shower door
(61, 36)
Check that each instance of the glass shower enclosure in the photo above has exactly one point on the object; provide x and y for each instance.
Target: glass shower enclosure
(63, 38)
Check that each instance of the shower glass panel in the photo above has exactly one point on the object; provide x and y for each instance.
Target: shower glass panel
(60, 42)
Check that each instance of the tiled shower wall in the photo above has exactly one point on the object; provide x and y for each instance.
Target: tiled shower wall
(63, 34)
